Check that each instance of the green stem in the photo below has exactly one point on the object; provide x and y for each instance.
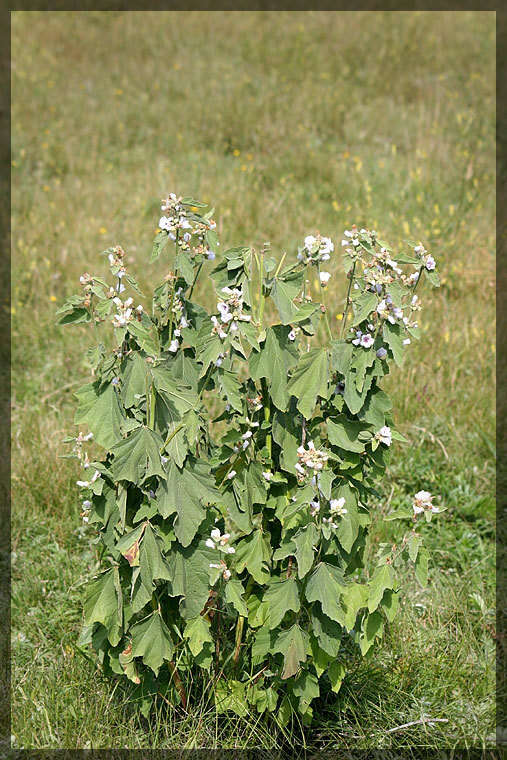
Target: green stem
(262, 298)
(240, 624)
(326, 320)
(195, 280)
(267, 412)
(347, 302)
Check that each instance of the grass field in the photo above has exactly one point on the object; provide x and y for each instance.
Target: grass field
(289, 122)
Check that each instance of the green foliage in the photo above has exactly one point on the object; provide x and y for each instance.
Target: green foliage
(237, 541)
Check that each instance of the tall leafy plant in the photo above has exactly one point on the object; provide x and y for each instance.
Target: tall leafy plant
(231, 507)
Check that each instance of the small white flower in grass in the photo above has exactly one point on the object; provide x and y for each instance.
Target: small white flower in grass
(422, 500)
(384, 435)
(231, 474)
(406, 342)
(324, 277)
(267, 475)
(173, 346)
(366, 340)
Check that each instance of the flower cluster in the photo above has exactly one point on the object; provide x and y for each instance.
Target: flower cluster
(180, 228)
(422, 501)
(311, 458)
(336, 509)
(365, 340)
(427, 258)
(220, 541)
(231, 311)
(125, 313)
(316, 248)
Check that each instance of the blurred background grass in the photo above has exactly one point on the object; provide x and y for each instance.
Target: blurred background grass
(288, 122)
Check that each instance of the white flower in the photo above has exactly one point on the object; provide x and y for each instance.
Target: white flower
(345, 242)
(215, 534)
(406, 342)
(336, 506)
(164, 223)
(174, 345)
(423, 500)
(299, 468)
(314, 508)
(210, 544)
(326, 246)
(324, 277)
(231, 474)
(183, 323)
(366, 340)
(177, 333)
(429, 263)
(310, 243)
(292, 335)
(267, 475)
(87, 504)
(246, 435)
(210, 255)
(82, 483)
(226, 574)
(384, 435)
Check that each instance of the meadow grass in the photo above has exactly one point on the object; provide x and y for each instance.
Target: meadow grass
(289, 122)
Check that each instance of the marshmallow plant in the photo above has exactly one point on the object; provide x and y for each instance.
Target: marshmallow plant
(232, 503)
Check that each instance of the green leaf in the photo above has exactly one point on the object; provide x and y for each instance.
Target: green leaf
(134, 369)
(326, 585)
(276, 356)
(293, 644)
(393, 336)
(341, 356)
(390, 604)
(355, 597)
(128, 545)
(254, 553)
(344, 433)
(137, 457)
(286, 432)
(282, 596)
(197, 631)
(152, 641)
(372, 628)
(283, 292)
(152, 563)
(327, 631)
(414, 542)
(305, 688)
(146, 335)
(185, 491)
(185, 265)
(159, 243)
(309, 380)
(181, 398)
(101, 411)
(363, 306)
(234, 595)
(382, 578)
(102, 604)
(209, 347)
(230, 695)
(230, 387)
(190, 571)
(305, 540)
(336, 672)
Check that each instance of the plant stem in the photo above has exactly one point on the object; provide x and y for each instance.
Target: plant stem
(195, 280)
(178, 683)
(240, 624)
(330, 334)
(347, 303)
(261, 291)
(267, 412)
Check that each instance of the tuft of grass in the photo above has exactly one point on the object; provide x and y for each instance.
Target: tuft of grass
(290, 122)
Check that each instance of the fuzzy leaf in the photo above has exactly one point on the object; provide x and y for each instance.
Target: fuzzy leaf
(355, 597)
(305, 539)
(185, 491)
(309, 380)
(152, 563)
(327, 631)
(344, 433)
(101, 411)
(326, 585)
(197, 631)
(363, 306)
(254, 553)
(382, 578)
(305, 688)
(102, 604)
(293, 644)
(190, 570)
(234, 595)
(152, 641)
(276, 356)
(137, 457)
(282, 596)
(336, 673)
